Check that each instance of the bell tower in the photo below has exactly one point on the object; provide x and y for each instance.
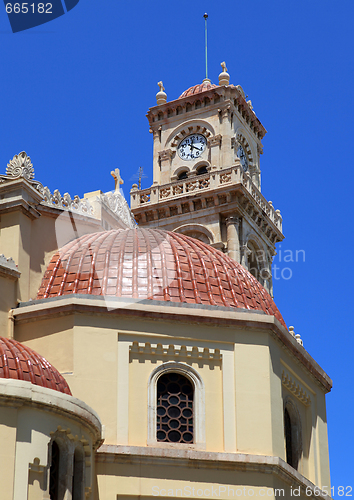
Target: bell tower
(206, 174)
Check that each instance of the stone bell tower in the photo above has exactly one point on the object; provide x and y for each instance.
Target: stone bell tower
(207, 178)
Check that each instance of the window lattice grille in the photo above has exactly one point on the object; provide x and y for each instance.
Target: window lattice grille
(174, 409)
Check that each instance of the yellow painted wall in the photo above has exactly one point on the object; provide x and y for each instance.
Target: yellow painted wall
(244, 393)
(8, 300)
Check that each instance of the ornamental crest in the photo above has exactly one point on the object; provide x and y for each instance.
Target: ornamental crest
(20, 166)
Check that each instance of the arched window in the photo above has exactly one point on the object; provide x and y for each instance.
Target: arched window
(78, 475)
(174, 406)
(183, 175)
(54, 473)
(202, 170)
(288, 439)
(292, 434)
(253, 264)
(169, 406)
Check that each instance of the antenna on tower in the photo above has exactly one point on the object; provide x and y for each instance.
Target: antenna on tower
(206, 46)
(139, 175)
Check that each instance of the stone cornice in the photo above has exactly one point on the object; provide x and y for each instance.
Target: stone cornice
(139, 455)
(19, 195)
(296, 388)
(8, 268)
(170, 311)
(18, 393)
(225, 95)
(222, 191)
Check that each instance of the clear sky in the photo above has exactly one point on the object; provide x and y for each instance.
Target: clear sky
(75, 91)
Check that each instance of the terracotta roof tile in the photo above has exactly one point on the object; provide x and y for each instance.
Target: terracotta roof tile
(19, 362)
(196, 89)
(153, 264)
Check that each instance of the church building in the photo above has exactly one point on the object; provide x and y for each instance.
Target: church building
(141, 353)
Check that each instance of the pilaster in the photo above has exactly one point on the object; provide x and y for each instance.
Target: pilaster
(156, 166)
(165, 158)
(17, 210)
(226, 152)
(215, 145)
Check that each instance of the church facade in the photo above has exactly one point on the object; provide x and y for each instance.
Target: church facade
(142, 353)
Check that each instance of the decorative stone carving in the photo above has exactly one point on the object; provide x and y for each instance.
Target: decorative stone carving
(165, 192)
(225, 178)
(66, 202)
(145, 197)
(295, 388)
(20, 166)
(178, 189)
(116, 202)
(240, 89)
(215, 140)
(192, 129)
(166, 154)
(8, 268)
(10, 263)
(169, 351)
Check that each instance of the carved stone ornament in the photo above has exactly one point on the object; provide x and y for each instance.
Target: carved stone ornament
(66, 202)
(166, 154)
(116, 202)
(20, 166)
(215, 140)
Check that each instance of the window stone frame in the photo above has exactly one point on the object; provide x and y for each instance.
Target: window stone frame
(199, 405)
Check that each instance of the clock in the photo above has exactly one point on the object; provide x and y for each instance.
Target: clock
(243, 158)
(192, 147)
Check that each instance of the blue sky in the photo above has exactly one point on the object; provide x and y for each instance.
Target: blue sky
(75, 91)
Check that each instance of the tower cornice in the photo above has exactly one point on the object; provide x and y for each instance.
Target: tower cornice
(218, 97)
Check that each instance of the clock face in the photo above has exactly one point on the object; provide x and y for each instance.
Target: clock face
(243, 157)
(192, 147)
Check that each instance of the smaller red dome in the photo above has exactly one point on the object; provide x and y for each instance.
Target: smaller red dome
(196, 89)
(19, 362)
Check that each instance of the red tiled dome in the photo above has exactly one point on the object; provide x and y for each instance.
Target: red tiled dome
(153, 264)
(19, 362)
(201, 87)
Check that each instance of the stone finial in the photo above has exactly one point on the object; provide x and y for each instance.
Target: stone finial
(117, 178)
(298, 339)
(296, 336)
(250, 104)
(224, 77)
(161, 96)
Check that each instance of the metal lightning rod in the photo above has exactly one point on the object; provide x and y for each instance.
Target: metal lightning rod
(206, 45)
